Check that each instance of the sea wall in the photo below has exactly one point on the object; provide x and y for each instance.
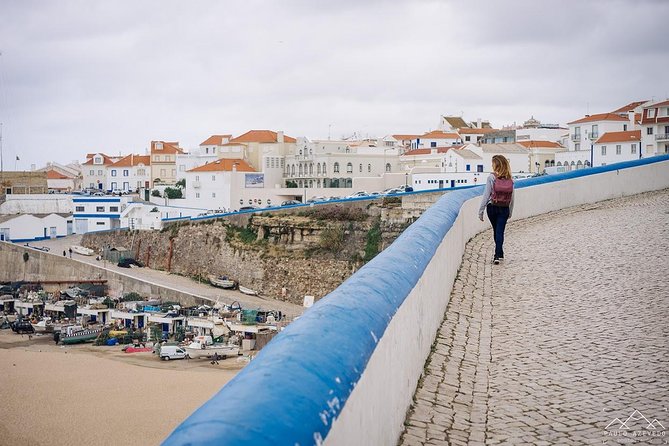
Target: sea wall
(352, 383)
(42, 266)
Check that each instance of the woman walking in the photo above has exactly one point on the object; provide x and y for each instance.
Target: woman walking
(497, 201)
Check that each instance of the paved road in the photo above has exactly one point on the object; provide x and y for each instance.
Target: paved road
(569, 334)
(174, 281)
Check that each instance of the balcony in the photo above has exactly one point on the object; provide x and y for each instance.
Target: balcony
(593, 136)
(576, 137)
(662, 137)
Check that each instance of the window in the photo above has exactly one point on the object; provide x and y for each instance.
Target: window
(99, 209)
(323, 168)
(113, 208)
(113, 172)
(369, 167)
(125, 172)
(197, 177)
(577, 132)
(141, 172)
(468, 138)
(651, 112)
(388, 168)
(603, 150)
(174, 172)
(649, 131)
(318, 168)
(163, 173)
(624, 127)
(349, 168)
(336, 167)
(197, 195)
(633, 149)
(213, 178)
(468, 167)
(479, 168)
(577, 146)
(99, 172)
(92, 172)
(311, 168)
(619, 149)
(433, 144)
(267, 162)
(100, 223)
(213, 195)
(595, 131)
(360, 168)
(79, 209)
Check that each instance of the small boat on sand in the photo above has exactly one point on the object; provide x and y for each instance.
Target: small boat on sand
(222, 282)
(43, 326)
(248, 291)
(203, 347)
(81, 250)
(75, 334)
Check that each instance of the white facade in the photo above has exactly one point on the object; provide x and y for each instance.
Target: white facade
(540, 134)
(98, 213)
(94, 171)
(616, 150)
(517, 155)
(28, 227)
(586, 131)
(437, 139)
(129, 174)
(191, 160)
(37, 204)
(446, 180)
(655, 129)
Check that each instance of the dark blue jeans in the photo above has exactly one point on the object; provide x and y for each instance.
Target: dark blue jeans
(498, 216)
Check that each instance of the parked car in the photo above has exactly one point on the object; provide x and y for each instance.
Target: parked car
(98, 194)
(248, 208)
(361, 193)
(291, 203)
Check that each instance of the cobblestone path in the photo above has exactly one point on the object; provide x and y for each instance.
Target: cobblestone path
(567, 335)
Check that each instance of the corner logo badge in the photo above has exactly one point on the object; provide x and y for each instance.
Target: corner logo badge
(636, 425)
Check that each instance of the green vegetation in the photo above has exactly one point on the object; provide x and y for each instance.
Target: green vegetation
(131, 297)
(173, 192)
(373, 241)
(335, 213)
(181, 183)
(155, 193)
(246, 235)
(291, 184)
(332, 239)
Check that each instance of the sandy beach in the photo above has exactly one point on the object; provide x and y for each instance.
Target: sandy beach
(82, 394)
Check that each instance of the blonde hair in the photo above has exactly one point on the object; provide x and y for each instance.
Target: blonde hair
(500, 167)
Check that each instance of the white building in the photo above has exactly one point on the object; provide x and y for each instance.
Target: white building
(517, 155)
(214, 185)
(214, 144)
(473, 135)
(98, 213)
(34, 227)
(584, 132)
(130, 173)
(541, 154)
(94, 170)
(255, 145)
(62, 179)
(437, 138)
(615, 147)
(655, 128)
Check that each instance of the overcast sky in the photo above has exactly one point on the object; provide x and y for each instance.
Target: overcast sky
(110, 76)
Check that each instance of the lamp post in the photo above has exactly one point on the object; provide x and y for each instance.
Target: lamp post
(406, 179)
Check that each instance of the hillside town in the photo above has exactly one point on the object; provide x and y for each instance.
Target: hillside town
(266, 168)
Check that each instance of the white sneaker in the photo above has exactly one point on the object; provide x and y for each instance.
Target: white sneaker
(496, 261)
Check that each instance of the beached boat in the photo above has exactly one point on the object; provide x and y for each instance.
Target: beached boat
(43, 326)
(248, 291)
(222, 282)
(82, 250)
(203, 347)
(75, 334)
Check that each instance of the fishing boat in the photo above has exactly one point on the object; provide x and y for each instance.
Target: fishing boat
(203, 347)
(222, 282)
(75, 334)
(43, 326)
(248, 291)
(81, 250)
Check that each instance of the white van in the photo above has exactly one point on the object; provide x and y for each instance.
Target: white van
(168, 352)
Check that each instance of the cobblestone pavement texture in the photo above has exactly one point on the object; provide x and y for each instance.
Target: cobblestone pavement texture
(567, 334)
(174, 281)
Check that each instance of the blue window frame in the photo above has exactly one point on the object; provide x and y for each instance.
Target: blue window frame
(469, 167)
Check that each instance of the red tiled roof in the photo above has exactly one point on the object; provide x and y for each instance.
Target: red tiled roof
(169, 148)
(53, 175)
(215, 140)
(633, 135)
(475, 131)
(542, 144)
(629, 107)
(263, 136)
(224, 165)
(133, 160)
(599, 117)
(429, 151)
(404, 137)
(105, 160)
(438, 134)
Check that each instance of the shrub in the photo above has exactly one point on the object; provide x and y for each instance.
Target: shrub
(373, 242)
(332, 239)
(155, 193)
(172, 193)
